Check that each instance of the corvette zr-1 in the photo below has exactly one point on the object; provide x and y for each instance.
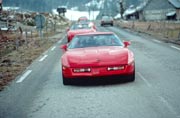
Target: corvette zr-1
(96, 55)
(80, 28)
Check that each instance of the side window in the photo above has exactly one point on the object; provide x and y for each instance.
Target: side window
(73, 43)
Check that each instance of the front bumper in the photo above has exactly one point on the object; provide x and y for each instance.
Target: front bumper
(97, 72)
(106, 23)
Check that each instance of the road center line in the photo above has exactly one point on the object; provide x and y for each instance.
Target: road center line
(59, 41)
(175, 47)
(24, 76)
(145, 80)
(44, 57)
(53, 48)
(156, 41)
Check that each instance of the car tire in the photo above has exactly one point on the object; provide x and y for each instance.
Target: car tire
(66, 81)
(132, 77)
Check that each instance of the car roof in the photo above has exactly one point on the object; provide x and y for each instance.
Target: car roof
(76, 25)
(95, 33)
(83, 17)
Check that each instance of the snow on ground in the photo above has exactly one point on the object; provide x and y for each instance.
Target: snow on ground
(74, 15)
(118, 16)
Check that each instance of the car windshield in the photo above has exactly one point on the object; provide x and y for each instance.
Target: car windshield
(106, 18)
(80, 26)
(83, 18)
(83, 41)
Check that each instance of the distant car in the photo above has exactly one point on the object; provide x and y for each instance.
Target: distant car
(107, 20)
(79, 28)
(95, 55)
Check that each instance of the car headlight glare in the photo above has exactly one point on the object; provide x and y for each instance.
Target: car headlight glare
(64, 67)
(80, 70)
(115, 68)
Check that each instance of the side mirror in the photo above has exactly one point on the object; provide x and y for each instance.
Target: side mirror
(126, 44)
(64, 47)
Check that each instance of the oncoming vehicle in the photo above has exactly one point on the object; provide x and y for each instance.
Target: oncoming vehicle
(107, 20)
(98, 54)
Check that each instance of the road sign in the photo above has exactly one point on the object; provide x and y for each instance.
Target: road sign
(61, 10)
(40, 21)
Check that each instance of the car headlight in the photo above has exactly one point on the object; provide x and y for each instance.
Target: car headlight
(80, 70)
(64, 67)
(130, 61)
(130, 58)
(115, 68)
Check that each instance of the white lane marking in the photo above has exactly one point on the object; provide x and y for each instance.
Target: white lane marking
(156, 41)
(64, 36)
(162, 99)
(59, 41)
(24, 76)
(53, 48)
(145, 80)
(44, 57)
(175, 47)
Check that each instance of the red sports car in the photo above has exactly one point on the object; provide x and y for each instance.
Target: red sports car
(79, 29)
(96, 55)
(83, 19)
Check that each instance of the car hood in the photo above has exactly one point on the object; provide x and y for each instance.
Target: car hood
(96, 56)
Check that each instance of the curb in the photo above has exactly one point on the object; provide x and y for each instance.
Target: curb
(177, 41)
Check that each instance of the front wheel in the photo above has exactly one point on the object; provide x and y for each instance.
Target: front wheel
(132, 77)
(66, 81)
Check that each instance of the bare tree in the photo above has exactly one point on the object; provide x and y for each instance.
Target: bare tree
(121, 8)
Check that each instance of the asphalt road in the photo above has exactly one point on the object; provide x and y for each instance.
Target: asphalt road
(39, 92)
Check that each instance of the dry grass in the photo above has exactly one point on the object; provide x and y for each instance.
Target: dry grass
(13, 63)
(168, 30)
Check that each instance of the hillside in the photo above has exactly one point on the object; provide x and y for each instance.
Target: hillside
(113, 8)
(48, 5)
(43, 5)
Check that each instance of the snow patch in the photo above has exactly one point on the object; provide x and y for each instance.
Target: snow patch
(74, 15)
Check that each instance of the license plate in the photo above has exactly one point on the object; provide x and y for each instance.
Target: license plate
(95, 72)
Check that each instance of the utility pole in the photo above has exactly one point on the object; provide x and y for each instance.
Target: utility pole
(121, 8)
(0, 6)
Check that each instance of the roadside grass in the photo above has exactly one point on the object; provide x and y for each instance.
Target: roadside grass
(161, 30)
(15, 62)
